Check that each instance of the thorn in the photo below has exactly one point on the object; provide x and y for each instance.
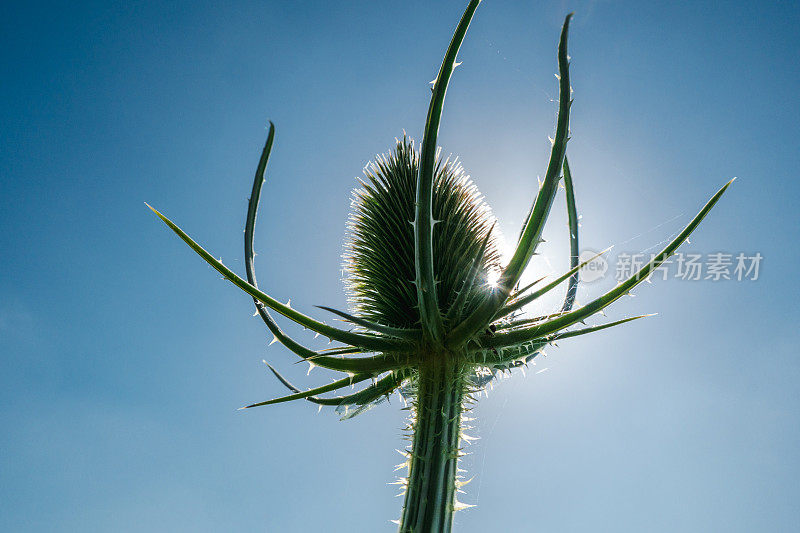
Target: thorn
(464, 483)
(273, 341)
(459, 506)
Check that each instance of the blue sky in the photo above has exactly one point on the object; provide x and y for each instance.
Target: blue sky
(123, 357)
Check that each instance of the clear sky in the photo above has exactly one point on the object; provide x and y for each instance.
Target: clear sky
(123, 357)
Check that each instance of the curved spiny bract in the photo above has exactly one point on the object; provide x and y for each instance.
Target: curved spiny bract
(382, 362)
(518, 302)
(424, 217)
(400, 333)
(598, 304)
(347, 337)
(381, 388)
(249, 252)
(574, 248)
(324, 359)
(507, 354)
(338, 384)
(519, 292)
(521, 302)
(532, 231)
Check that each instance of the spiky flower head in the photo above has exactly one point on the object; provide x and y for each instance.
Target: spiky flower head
(379, 251)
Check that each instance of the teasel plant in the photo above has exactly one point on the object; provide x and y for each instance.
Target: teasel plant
(426, 320)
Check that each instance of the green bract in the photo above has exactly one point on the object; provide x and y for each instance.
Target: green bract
(424, 320)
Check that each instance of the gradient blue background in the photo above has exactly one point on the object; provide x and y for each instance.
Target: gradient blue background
(123, 357)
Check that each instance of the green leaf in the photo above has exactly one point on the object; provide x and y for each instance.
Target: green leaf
(249, 233)
(380, 388)
(569, 299)
(502, 357)
(574, 251)
(430, 316)
(383, 362)
(525, 289)
(565, 320)
(400, 333)
(532, 231)
(249, 253)
(340, 351)
(525, 351)
(354, 339)
(525, 300)
(592, 329)
(338, 384)
(365, 398)
(524, 322)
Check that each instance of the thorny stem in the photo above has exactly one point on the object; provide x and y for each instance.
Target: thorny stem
(430, 497)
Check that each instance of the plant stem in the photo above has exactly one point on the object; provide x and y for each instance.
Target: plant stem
(430, 496)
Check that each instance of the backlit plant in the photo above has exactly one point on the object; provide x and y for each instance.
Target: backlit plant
(425, 320)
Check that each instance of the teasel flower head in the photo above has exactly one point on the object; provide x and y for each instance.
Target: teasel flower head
(435, 313)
